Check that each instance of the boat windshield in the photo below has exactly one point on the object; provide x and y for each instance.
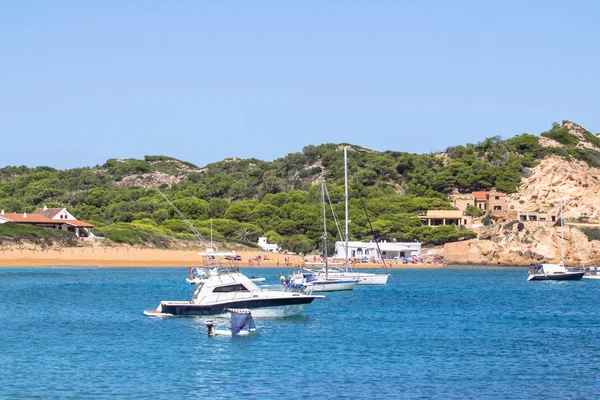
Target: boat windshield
(197, 290)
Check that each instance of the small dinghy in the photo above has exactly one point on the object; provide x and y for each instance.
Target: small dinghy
(242, 324)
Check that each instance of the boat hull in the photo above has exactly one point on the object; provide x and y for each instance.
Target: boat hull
(362, 278)
(261, 308)
(567, 276)
(331, 286)
(227, 332)
(591, 276)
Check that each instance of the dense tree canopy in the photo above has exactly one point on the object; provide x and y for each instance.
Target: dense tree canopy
(282, 199)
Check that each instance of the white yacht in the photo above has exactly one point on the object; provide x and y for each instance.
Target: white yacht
(362, 278)
(556, 272)
(227, 287)
(553, 272)
(315, 283)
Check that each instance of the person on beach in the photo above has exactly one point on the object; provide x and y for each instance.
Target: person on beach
(191, 273)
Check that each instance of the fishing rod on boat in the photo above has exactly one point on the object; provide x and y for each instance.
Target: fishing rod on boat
(189, 224)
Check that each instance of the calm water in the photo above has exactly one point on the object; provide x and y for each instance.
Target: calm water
(448, 333)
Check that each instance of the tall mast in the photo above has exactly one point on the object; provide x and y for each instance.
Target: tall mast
(346, 198)
(562, 235)
(211, 233)
(324, 227)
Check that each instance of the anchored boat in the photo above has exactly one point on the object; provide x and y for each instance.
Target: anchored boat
(242, 324)
(556, 272)
(227, 287)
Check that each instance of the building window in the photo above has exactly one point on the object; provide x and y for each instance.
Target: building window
(523, 217)
(533, 217)
(497, 198)
(497, 208)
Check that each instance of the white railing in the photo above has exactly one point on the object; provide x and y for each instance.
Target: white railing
(258, 294)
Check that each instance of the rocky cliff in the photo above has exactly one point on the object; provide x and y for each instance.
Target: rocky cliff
(540, 192)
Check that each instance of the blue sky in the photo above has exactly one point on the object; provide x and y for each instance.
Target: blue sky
(201, 81)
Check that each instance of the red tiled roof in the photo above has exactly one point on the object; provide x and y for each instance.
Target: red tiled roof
(48, 212)
(27, 218)
(480, 195)
(35, 218)
(74, 222)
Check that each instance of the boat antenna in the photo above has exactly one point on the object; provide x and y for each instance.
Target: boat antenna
(189, 224)
(362, 202)
(346, 202)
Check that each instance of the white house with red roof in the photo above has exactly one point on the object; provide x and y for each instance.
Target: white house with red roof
(57, 218)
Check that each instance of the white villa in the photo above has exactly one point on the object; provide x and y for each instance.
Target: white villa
(262, 242)
(389, 250)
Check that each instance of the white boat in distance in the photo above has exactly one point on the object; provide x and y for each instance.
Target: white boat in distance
(227, 287)
(556, 272)
(592, 273)
(315, 284)
(362, 278)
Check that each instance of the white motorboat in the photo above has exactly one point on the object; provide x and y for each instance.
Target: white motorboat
(592, 273)
(556, 272)
(227, 287)
(242, 324)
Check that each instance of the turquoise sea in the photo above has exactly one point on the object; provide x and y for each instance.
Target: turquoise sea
(79, 333)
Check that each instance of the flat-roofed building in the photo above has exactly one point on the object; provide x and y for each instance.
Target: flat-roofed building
(389, 250)
(444, 217)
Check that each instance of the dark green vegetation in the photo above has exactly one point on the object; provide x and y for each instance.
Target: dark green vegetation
(41, 236)
(280, 199)
(591, 233)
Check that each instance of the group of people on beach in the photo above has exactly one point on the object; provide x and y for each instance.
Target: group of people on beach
(260, 258)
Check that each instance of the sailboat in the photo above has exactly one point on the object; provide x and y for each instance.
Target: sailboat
(363, 278)
(316, 282)
(555, 272)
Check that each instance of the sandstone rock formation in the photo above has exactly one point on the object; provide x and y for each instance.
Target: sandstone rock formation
(541, 191)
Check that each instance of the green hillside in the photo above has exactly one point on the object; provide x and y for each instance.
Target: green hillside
(247, 198)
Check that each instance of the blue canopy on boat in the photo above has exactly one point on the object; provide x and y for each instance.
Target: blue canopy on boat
(241, 320)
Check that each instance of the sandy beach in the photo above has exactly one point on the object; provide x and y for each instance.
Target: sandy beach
(129, 256)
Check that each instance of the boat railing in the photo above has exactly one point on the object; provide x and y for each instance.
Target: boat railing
(216, 298)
